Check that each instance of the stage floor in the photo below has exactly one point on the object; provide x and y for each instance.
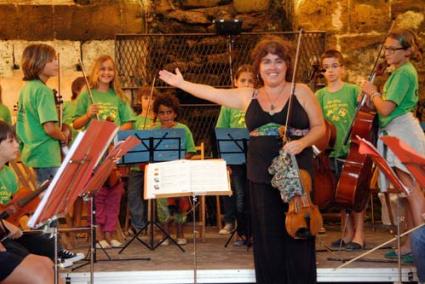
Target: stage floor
(217, 264)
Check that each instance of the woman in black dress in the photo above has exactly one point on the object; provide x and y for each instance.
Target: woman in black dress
(278, 257)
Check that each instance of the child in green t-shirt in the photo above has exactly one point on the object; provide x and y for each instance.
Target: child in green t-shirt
(235, 206)
(339, 101)
(166, 109)
(144, 121)
(37, 118)
(4, 110)
(105, 101)
(395, 107)
(28, 242)
(69, 107)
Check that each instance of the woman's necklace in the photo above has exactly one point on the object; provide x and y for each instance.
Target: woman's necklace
(272, 103)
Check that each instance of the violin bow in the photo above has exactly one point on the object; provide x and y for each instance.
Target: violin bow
(87, 84)
(149, 102)
(294, 74)
(60, 105)
(370, 78)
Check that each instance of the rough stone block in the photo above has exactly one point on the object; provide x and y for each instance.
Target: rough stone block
(9, 22)
(244, 6)
(367, 17)
(35, 22)
(327, 15)
(199, 3)
(411, 20)
(400, 6)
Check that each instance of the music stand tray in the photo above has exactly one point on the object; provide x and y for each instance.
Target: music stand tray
(232, 144)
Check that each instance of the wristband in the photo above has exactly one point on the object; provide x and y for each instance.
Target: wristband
(376, 94)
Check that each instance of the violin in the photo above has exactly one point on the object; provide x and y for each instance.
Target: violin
(59, 108)
(24, 202)
(303, 219)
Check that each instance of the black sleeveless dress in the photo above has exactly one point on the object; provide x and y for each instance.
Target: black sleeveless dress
(278, 257)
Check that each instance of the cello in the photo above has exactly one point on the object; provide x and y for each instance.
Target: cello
(324, 179)
(352, 190)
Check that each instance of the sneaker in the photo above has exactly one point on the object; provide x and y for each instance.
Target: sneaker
(116, 244)
(239, 243)
(165, 243)
(66, 255)
(64, 263)
(181, 241)
(103, 244)
(227, 229)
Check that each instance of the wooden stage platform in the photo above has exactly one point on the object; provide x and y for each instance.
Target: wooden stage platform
(217, 264)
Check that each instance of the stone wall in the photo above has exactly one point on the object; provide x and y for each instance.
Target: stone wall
(87, 28)
(357, 27)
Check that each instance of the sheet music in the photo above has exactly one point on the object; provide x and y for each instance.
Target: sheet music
(185, 177)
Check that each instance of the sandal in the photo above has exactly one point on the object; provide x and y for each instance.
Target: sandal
(338, 244)
(351, 246)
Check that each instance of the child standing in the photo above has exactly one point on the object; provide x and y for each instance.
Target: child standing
(395, 107)
(108, 103)
(235, 205)
(37, 118)
(144, 121)
(166, 109)
(338, 101)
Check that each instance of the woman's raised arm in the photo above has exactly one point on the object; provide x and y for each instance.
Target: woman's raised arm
(234, 98)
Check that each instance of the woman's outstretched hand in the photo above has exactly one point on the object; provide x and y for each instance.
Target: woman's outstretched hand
(172, 79)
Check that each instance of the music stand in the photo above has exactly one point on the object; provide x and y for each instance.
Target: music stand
(232, 147)
(72, 176)
(413, 161)
(367, 148)
(157, 145)
(97, 181)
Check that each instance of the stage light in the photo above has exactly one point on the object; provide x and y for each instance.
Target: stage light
(228, 27)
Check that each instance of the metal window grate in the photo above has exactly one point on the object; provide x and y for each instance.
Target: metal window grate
(202, 58)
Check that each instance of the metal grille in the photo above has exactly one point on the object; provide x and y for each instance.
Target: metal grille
(202, 58)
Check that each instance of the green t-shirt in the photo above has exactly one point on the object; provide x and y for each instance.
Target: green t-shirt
(5, 114)
(8, 184)
(231, 118)
(339, 108)
(401, 88)
(36, 106)
(69, 108)
(111, 107)
(139, 123)
(190, 144)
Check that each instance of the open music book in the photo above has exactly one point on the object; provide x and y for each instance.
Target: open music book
(185, 177)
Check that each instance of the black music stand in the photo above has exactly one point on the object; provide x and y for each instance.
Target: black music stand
(72, 176)
(232, 147)
(158, 145)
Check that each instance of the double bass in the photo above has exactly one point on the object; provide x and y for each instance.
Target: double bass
(352, 191)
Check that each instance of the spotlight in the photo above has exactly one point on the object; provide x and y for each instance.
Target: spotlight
(228, 27)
